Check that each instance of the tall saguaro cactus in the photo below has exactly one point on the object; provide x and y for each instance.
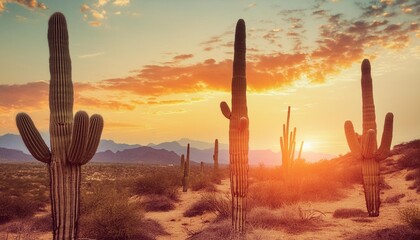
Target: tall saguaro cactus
(365, 147)
(216, 156)
(238, 132)
(73, 141)
(287, 145)
(186, 177)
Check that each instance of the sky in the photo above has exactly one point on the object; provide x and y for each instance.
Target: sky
(157, 70)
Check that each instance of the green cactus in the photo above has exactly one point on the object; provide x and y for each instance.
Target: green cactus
(73, 141)
(186, 177)
(238, 132)
(182, 163)
(287, 146)
(365, 147)
(216, 155)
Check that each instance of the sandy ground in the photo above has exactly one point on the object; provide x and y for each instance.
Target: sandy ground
(180, 227)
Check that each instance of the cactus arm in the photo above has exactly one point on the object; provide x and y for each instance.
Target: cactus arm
(79, 137)
(386, 140)
(352, 139)
(300, 150)
(224, 107)
(369, 119)
(96, 125)
(369, 144)
(32, 138)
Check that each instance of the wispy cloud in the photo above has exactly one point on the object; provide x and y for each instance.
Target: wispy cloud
(91, 55)
(97, 12)
(32, 4)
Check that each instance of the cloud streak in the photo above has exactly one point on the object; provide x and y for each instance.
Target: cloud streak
(31, 4)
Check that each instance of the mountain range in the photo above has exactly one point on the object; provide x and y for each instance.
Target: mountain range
(13, 149)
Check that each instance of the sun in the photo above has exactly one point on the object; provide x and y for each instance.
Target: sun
(308, 146)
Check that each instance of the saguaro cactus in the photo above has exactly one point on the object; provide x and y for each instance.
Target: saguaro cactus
(73, 141)
(287, 145)
(182, 163)
(365, 147)
(186, 178)
(216, 156)
(238, 132)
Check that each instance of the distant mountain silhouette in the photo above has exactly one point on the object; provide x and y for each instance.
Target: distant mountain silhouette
(144, 155)
(110, 151)
(12, 155)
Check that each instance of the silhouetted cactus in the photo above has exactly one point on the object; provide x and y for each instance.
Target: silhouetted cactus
(287, 145)
(186, 178)
(238, 132)
(182, 163)
(73, 141)
(365, 147)
(216, 156)
(202, 167)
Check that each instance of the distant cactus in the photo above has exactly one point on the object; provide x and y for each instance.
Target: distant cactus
(365, 147)
(238, 132)
(202, 167)
(216, 155)
(186, 178)
(287, 146)
(73, 141)
(182, 163)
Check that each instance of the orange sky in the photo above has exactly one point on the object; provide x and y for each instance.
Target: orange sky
(157, 72)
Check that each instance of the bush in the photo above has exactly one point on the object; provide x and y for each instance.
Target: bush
(414, 175)
(158, 203)
(410, 158)
(411, 216)
(394, 199)
(108, 214)
(11, 208)
(160, 183)
(211, 202)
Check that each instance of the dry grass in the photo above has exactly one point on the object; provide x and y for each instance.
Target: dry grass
(396, 232)
(220, 204)
(157, 203)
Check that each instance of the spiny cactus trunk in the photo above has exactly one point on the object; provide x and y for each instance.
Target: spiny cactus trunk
(216, 156)
(182, 163)
(73, 141)
(238, 132)
(366, 148)
(186, 178)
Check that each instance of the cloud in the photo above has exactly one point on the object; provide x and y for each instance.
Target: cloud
(31, 4)
(121, 2)
(97, 13)
(91, 55)
(251, 5)
(183, 57)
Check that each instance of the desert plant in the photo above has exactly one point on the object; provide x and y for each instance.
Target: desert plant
(287, 146)
(349, 213)
(365, 147)
(238, 131)
(411, 216)
(216, 155)
(182, 163)
(186, 177)
(73, 141)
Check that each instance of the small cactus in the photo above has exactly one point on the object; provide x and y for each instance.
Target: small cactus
(186, 178)
(73, 141)
(287, 146)
(238, 132)
(202, 167)
(216, 155)
(365, 147)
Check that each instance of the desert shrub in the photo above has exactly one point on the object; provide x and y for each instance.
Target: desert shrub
(198, 208)
(349, 213)
(411, 216)
(157, 203)
(394, 199)
(42, 223)
(159, 182)
(392, 233)
(410, 158)
(216, 231)
(291, 218)
(414, 175)
(12, 207)
(108, 214)
(402, 147)
(202, 182)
